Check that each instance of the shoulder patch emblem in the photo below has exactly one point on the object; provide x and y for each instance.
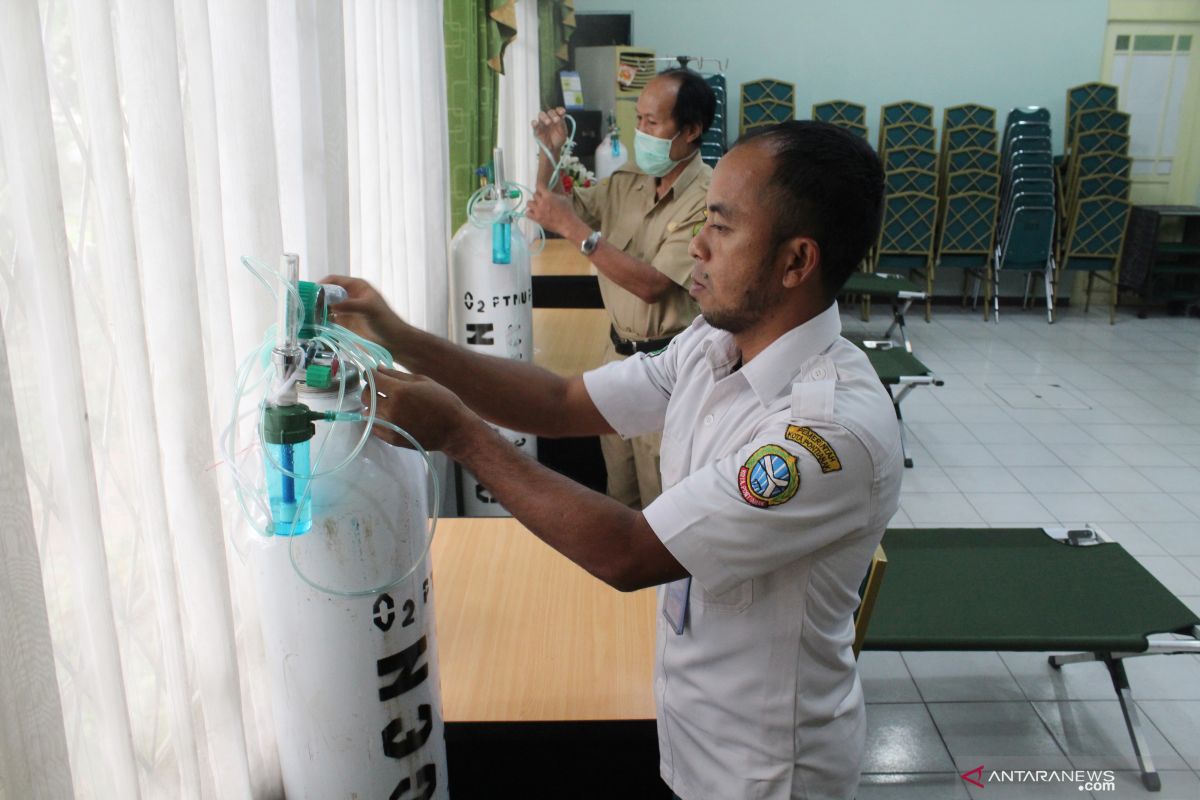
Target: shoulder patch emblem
(769, 477)
(814, 443)
(699, 226)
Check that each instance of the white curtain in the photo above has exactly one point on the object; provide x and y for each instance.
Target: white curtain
(146, 147)
(520, 97)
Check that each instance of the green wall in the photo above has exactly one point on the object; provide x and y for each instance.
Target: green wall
(942, 52)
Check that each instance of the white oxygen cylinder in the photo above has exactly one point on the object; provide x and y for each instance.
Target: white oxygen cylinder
(491, 293)
(356, 694)
(609, 156)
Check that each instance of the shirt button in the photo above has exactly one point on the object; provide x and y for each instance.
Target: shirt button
(708, 420)
(818, 373)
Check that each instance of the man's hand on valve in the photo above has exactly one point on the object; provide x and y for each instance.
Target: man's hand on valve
(431, 413)
(554, 212)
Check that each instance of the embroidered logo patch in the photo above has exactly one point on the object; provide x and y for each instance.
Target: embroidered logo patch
(814, 443)
(700, 225)
(769, 477)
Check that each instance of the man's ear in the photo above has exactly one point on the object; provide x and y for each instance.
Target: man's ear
(692, 133)
(802, 261)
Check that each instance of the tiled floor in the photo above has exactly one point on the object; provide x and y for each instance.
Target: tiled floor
(1076, 422)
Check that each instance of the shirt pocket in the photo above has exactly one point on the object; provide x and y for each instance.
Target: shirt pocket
(621, 234)
(736, 599)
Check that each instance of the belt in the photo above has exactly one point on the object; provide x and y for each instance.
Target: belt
(627, 347)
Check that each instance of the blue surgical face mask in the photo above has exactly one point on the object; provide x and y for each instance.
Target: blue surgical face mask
(653, 155)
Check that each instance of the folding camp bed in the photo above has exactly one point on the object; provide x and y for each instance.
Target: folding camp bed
(1039, 589)
(893, 361)
(898, 289)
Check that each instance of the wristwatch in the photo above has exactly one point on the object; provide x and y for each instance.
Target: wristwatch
(588, 245)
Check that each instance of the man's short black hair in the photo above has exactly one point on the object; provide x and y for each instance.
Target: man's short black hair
(695, 103)
(828, 185)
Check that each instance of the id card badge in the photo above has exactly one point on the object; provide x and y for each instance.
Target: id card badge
(675, 604)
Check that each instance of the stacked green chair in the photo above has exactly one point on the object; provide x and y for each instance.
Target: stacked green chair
(968, 193)
(712, 144)
(908, 149)
(1086, 97)
(905, 243)
(1095, 241)
(1027, 206)
(844, 114)
(766, 102)
(1094, 179)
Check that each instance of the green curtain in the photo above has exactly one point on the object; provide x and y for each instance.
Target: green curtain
(556, 23)
(476, 32)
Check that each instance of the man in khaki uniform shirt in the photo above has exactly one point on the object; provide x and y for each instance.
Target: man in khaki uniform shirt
(635, 227)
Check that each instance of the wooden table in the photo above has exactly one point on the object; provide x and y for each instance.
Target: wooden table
(524, 635)
(568, 341)
(560, 257)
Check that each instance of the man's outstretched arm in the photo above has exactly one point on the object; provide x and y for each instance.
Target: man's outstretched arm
(512, 394)
(611, 541)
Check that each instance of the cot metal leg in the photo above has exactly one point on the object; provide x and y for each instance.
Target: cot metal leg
(896, 398)
(1049, 298)
(996, 296)
(1116, 671)
(898, 312)
(1120, 681)
(1075, 658)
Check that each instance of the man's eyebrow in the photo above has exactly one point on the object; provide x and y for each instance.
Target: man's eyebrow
(722, 209)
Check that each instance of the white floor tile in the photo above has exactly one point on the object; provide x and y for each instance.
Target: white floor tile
(1150, 507)
(1193, 564)
(1179, 478)
(1093, 735)
(1115, 479)
(926, 477)
(1002, 433)
(885, 678)
(1116, 434)
(1146, 455)
(1021, 508)
(961, 455)
(1058, 433)
(1179, 722)
(961, 676)
(985, 479)
(942, 433)
(1177, 538)
(911, 786)
(997, 735)
(1040, 681)
(901, 737)
(1087, 506)
(1086, 455)
(1164, 677)
(1176, 785)
(1043, 480)
(939, 510)
(1132, 538)
(1024, 455)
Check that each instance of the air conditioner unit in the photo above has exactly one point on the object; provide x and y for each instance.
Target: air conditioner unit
(612, 78)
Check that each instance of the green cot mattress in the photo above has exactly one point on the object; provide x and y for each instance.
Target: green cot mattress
(893, 363)
(1017, 589)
